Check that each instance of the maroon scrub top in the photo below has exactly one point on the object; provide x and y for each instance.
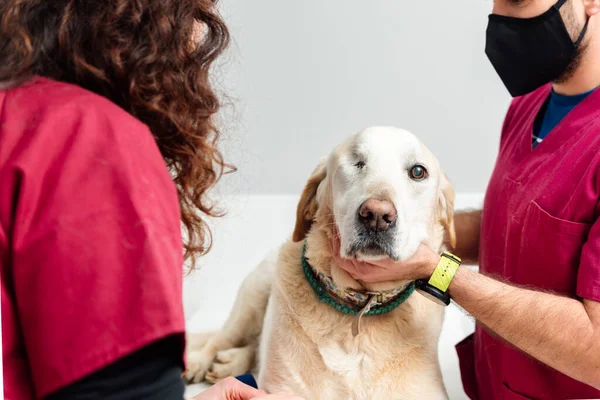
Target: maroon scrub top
(90, 239)
(540, 229)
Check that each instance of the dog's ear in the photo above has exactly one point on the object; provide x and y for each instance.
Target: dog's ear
(307, 206)
(446, 208)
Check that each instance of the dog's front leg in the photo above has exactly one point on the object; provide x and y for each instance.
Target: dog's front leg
(234, 347)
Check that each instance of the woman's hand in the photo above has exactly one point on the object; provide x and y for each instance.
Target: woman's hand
(230, 389)
(233, 389)
(280, 396)
(420, 266)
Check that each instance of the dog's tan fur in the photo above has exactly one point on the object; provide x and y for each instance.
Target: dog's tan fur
(306, 346)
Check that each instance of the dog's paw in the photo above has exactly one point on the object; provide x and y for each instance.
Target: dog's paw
(230, 362)
(197, 341)
(198, 363)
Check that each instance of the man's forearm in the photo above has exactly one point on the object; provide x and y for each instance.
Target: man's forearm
(559, 331)
(468, 227)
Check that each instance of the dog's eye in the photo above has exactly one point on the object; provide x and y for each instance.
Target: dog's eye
(418, 173)
(360, 165)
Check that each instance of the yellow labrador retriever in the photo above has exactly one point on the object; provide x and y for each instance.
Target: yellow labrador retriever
(304, 324)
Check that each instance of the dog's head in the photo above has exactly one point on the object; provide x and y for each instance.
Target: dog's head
(382, 192)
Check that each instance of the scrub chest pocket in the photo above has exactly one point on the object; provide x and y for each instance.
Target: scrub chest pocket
(550, 251)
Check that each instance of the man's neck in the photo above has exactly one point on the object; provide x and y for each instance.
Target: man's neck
(587, 75)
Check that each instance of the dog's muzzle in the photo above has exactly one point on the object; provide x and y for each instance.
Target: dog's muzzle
(376, 229)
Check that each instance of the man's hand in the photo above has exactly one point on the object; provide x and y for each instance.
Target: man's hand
(419, 266)
(423, 263)
(233, 389)
(229, 389)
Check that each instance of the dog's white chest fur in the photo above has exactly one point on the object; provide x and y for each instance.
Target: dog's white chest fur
(347, 364)
(352, 366)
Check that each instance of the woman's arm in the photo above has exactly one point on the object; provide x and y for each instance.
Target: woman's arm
(151, 373)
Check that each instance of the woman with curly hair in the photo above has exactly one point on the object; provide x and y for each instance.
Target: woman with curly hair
(107, 147)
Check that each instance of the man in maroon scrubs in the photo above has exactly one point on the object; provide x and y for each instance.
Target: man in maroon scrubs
(537, 239)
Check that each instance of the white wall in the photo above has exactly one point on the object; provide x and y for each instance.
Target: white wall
(303, 75)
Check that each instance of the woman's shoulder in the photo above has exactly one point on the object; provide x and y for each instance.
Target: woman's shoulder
(46, 96)
(48, 114)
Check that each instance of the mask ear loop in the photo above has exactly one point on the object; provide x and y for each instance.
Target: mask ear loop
(582, 34)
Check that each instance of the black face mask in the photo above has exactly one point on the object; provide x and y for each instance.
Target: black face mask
(528, 53)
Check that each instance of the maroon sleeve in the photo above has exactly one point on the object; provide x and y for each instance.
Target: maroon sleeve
(96, 241)
(588, 276)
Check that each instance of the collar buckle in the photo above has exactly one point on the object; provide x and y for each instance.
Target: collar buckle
(378, 296)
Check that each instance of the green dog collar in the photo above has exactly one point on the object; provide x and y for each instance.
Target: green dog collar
(350, 301)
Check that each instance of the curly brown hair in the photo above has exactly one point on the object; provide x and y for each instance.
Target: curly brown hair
(152, 58)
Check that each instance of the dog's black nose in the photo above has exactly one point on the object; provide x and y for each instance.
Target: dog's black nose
(377, 215)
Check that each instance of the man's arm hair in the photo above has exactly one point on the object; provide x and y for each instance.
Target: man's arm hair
(561, 332)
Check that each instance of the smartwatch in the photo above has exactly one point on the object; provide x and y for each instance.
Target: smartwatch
(436, 288)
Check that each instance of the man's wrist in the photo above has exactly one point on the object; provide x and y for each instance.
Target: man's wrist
(429, 266)
(437, 273)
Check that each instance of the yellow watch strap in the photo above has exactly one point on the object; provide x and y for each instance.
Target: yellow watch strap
(445, 271)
